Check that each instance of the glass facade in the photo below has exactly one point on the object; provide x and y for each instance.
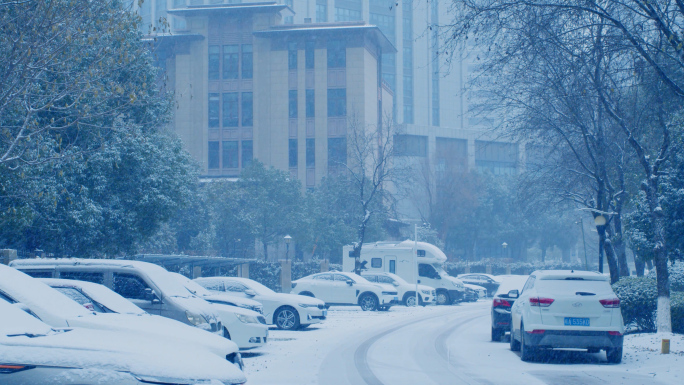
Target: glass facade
(407, 39)
(321, 11)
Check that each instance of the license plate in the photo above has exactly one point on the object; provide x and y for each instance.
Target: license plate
(570, 321)
(325, 313)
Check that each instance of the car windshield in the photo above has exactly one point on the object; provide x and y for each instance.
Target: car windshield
(258, 288)
(191, 285)
(111, 300)
(398, 279)
(77, 296)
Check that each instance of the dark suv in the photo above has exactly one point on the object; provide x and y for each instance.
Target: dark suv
(501, 305)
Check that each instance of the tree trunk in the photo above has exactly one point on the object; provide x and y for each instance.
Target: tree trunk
(265, 251)
(606, 245)
(639, 265)
(619, 245)
(543, 255)
(664, 318)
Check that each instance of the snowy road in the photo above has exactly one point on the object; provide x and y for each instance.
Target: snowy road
(437, 345)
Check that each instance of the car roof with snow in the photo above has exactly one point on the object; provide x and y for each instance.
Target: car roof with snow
(569, 275)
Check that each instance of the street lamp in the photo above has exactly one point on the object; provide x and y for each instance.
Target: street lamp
(287, 244)
(504, 248)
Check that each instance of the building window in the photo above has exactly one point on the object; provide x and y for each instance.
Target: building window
(410, 145)
(214, 61)
(292, 151)
(292, 103)
(230, 109)
(345, 14)
(247, 110)
(231, 56)
(310, 104)
(214, 155)
(214, 110)
(337, 54)
(311, 152)
(292, 56)
(337, 102)
(230, 154)
(247, 61)
(247, 153)
(496, 157)
(321, 11)
(337, 152)
(309, 51)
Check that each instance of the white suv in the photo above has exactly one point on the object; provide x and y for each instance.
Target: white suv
(567, 309)
(407, 291)
(338, 288)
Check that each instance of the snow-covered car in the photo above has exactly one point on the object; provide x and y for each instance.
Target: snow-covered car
(489, 282)
(58, 310)
(406, 291)
(286, 311)
(567, 309)
(145, 284)
(32, 352)
(341, 288)
(219, 297)
(240, 325)
(474, 292)
(502, 303)
(246, 328)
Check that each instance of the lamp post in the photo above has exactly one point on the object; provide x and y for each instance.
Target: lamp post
(287, 246)
(504, 248)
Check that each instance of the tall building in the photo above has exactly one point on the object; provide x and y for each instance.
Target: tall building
(290, 115)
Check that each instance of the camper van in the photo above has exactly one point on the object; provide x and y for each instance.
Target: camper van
(402, 259)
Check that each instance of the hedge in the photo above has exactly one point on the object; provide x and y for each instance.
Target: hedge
(499, 267)
(676, 275)
(639, 303)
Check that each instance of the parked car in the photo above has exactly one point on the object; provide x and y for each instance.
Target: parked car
(147, 285)
(340, 288)
(246, 328)
(488, 281)
(242, 326)
(57, 310)
(32, 352)
(474, 292)
(219, 297)
(407, 291)
(567, 309)
(502, 302)
(286, 311)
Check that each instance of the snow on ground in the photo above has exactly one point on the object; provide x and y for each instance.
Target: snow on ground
(427, 345)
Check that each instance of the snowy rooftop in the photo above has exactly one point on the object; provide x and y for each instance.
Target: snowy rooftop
(309, 29)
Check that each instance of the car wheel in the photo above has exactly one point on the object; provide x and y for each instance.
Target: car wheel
(410, 299)
(368, 302)
(307, 293)
(443, 298)
(497, 334)
(286, 318)
(614, 355)
(225, 333)
(527, 353)
(515, 345)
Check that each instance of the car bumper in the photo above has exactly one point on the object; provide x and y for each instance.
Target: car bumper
(250, 336)
(309, 316)
(388, 301)
(457, 295)
(574, 339)
(501, 319)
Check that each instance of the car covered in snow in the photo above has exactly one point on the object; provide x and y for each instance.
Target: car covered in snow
(286, 311)
(567, 309)
(58, 310)
(147, 285)
(407, 291)
(32, 352)
(245, 327)
(341, 288)
(474, 292)
(489, 282)
(503, 300)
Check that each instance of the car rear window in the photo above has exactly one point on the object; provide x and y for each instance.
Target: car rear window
(573, 286)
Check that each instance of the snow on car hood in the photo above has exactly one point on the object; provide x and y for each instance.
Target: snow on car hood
(158, 326)
(215, 296)
(457, 282)
(292, 299)
(386, 287)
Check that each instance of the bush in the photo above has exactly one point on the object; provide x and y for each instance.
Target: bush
(677, 311)
(499, 267)
(638, 302)
(676, 271)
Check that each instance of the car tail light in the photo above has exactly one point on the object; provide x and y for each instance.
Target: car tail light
(500, 303)
(614, 333)
(536, 331)
(541, 302)
(611, 303)
(6, 369)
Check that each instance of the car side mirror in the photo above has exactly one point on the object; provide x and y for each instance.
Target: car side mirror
(151, 296)
(513, 294)
(250, 292)
(350, 282)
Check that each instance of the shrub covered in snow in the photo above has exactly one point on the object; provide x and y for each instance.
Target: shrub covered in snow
(499, 267)
(676, 271)
(677, 311)
(638, 302)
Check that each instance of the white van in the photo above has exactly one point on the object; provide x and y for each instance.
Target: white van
(399, 258)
